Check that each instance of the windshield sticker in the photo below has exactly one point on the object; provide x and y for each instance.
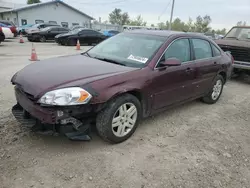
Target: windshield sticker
(138, 58)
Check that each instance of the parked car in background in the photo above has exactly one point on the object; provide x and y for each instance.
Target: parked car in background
(110, 33)
(9, 25)
(237, 42)
(21, 29)
(85, 36)
(113, 85)
(212, 36)
(47, 33)
(7, 32)
(38, 27)
(76, 27)
(2, 36)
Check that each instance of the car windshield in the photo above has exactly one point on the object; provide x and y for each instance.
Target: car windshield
(239, 33)
(128, 49)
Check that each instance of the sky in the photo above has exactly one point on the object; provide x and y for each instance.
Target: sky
(224, 13)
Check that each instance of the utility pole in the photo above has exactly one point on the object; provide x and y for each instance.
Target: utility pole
(171, 17)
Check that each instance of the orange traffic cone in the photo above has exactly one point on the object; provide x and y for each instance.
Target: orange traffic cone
(21, 38)
(33, 54)
(78, 46)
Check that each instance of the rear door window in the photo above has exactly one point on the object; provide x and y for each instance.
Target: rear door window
(63, 29)
(54, 29)
(202, 49)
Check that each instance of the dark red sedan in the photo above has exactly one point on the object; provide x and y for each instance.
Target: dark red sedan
(121, 80)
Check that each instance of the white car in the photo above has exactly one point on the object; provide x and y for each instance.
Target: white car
(7, 32)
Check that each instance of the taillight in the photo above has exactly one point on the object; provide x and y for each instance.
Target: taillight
(1, 29)
(13, 29)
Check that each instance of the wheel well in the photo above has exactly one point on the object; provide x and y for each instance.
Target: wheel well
(224, 75)
(137, 94)
(144, 103)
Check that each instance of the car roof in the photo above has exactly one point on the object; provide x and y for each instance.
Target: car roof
(166, 33)
(242, 26)
(56, 26)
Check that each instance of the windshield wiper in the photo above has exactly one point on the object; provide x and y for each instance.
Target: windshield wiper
(110, 61)
(86, 54)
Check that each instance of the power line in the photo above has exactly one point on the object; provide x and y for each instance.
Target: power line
(165, 9)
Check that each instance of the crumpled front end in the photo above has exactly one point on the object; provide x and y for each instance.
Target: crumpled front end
(73, 121)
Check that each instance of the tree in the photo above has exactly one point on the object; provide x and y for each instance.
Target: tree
(117, 17)
(202, 24)
(138, 21)
(241, 23)
(152, 25)
(190, 25)
(161, 25)
(178, 25)
(33, 1)
(221, 32)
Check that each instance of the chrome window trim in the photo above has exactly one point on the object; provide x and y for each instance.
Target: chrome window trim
(155, 68)
(193, 61)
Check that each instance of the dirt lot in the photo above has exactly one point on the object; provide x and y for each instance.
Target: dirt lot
(194, 145)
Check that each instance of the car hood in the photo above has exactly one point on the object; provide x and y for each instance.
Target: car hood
(233, 42)
(65, 35)
(40, 77)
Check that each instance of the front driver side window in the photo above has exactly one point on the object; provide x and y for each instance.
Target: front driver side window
(179, 49)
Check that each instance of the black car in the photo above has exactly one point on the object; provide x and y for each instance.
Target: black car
(2, 36)
(85, 36)
(47, 33)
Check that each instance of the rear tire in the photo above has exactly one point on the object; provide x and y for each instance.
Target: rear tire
(119, 120)
(215, 92)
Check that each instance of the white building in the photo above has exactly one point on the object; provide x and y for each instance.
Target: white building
(49, 12)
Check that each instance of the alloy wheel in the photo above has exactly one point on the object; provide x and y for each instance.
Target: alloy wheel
(217, 89)
(124, 119)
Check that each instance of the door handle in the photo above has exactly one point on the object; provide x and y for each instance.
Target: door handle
(188, 70)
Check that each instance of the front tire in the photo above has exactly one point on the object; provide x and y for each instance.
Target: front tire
(42, 39)
(119, 120)
(71, 42)
(216, 91)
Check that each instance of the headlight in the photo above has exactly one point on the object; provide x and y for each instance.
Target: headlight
(65, 97)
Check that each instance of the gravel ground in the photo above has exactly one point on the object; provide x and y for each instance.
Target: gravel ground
(194, 145)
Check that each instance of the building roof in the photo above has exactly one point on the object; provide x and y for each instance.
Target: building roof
(8, 5)
(46, 3)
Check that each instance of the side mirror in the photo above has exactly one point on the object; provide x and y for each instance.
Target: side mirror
(171, 62)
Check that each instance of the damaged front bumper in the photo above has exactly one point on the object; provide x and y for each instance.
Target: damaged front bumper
(74, 122)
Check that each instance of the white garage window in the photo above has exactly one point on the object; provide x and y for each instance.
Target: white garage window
(65, 24)
(39, 21)
(73, 24)
(52, 22)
